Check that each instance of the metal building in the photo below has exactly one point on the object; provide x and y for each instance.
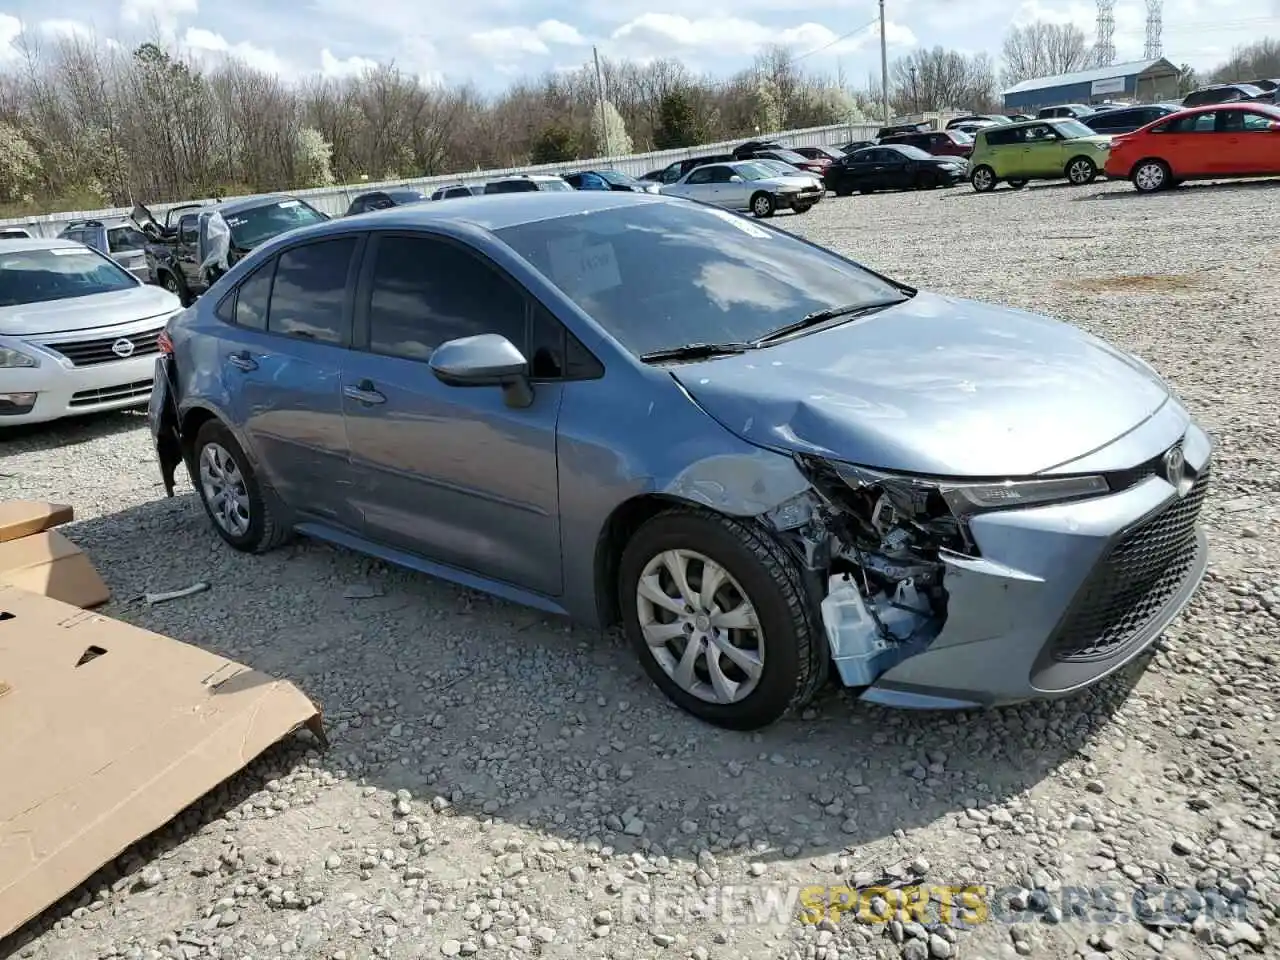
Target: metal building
(1145, 81)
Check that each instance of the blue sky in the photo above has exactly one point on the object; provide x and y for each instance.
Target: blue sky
(489, 42)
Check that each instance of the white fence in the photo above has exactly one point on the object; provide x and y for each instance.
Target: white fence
(335, 200)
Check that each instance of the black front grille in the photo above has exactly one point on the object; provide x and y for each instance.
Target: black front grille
(88, 353)
(1132, 584)
(140, 391)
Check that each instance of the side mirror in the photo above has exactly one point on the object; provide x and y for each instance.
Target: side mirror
(486, 360)
(736, 179)
(1274, 126)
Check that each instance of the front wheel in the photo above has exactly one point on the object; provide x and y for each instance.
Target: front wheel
(1081, 171)
(762, 205)
(1151, 176)
(231, 493)
(1017, 184)
(983, 179)
(172, 284)
(719, 616)
(802, 207)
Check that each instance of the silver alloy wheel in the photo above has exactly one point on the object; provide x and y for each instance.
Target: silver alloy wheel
(1079, 172)
(171, 283)
(761, 206)
(224, 489)
(700, 626)
(1149, 176)
(982, 179)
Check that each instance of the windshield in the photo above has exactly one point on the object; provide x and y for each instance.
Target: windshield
(723, 277)
(37, 276)
(1074, 128)
(125, 238)
(259, 224)
(753, 170)
(621, 179)
(789, 156)
(554, 185)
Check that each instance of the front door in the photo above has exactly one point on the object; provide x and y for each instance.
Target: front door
(185, 251)
(731, 190)
(698, 185)
(289, 324)
(1252, 145)
(1042, 152)
(451, 474)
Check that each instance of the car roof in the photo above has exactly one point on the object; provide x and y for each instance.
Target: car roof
(492, 212)
(1216, 107)
(250, 203)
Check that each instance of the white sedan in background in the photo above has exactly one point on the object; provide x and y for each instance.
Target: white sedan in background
(78, 333)
(748, 185)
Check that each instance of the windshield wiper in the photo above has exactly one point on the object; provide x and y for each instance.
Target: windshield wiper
(696, 351)
(822, 316)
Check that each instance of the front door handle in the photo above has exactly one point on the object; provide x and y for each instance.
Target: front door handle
(242, 361)
(364, 392)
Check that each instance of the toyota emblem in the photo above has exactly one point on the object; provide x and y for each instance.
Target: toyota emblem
(123, 348)
(1174, 466)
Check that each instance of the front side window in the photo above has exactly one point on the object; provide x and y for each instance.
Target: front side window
(252, 227)
(1253, 122)
(426, 291)
(187, 229)
(38, 276)
(120, 239)
(724, 278)
(308, 298)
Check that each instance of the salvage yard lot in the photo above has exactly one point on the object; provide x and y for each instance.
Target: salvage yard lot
(545, 774)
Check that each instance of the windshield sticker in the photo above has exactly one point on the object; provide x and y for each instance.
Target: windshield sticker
(236, 222)
(746, 226)
(287, 204)
(584, 269)
(65, 251)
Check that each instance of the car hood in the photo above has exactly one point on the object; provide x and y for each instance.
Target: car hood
(936, 385)
(1099, 138)
(787, 180)
(86, 313)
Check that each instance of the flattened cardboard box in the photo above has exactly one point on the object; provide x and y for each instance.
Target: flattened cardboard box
(107, 731)
(21, 518)
(50, 564)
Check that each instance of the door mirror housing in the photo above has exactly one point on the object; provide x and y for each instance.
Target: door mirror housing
(485, 360)
(736, 179)
(1274, 126)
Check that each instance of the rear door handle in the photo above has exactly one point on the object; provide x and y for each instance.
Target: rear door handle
(242, 361)
(364, 392)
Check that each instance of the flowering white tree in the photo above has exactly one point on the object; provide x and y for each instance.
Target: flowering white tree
(609, 131)
(312, 155)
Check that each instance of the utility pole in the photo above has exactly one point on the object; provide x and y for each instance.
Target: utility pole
(884, 68)
(915, 93)
(604, 119)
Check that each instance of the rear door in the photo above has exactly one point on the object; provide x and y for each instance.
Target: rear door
(1187, 144)
(452, 474)
(282, 364)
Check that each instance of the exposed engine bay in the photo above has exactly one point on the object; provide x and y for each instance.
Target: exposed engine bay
(873, 547)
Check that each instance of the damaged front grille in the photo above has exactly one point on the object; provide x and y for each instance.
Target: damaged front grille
(1130, 587)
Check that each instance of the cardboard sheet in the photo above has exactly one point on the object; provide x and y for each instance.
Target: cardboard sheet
(21, 518)
(108, 731)
(50, 564)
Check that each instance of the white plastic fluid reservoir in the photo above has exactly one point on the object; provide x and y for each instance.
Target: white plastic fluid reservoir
(855, 640)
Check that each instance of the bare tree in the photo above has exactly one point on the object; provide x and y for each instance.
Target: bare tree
(941, 79)
(1256, 61)
(1044, 50)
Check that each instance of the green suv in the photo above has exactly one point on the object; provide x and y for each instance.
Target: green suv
(1036, 150)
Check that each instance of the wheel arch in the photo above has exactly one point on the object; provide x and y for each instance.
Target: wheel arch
(1133, 167)
(617, 531)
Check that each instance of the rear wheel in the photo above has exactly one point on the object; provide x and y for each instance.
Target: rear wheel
(1150, 176)
(983, 179)
(1081, 171)
(762, 205)
(802, 207)
(719, 616)
(231, 493)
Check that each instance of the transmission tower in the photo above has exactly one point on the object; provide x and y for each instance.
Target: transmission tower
(1154, 29)
(1104, 46)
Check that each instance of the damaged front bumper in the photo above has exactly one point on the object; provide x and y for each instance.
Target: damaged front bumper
(1044, 601)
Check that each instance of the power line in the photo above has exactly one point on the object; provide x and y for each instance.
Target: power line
(832, 43)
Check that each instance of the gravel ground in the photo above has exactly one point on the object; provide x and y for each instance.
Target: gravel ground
(503, 785)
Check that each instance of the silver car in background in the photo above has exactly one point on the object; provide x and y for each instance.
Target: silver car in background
(748, 185)
(78, 333)
(119, 239)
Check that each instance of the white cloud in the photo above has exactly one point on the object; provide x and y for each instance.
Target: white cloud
(353, 66)
(659, 32)
(204, 42)
(165, 14)
(10, 31)
(509, 42)
(68, 30)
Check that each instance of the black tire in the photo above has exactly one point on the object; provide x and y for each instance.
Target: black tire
(795, 662)
(927, 181)
(264, 530)
(865, 191)
(175, 286)
(802, 207)
(983, 179)
(1017, 184)
(763, 205)
(1151, 176)
(844, 192)
(1080, 171)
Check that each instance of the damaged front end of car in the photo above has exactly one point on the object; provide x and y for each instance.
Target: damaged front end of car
(882, 551)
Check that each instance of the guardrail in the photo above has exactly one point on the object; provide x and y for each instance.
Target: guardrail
(335, 200)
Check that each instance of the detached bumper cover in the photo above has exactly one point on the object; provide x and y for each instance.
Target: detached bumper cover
(1062, 595)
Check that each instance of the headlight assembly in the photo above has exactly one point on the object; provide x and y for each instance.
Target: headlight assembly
(11, 357)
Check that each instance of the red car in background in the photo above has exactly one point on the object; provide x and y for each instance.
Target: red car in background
(939, 143)
(1216, 142)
